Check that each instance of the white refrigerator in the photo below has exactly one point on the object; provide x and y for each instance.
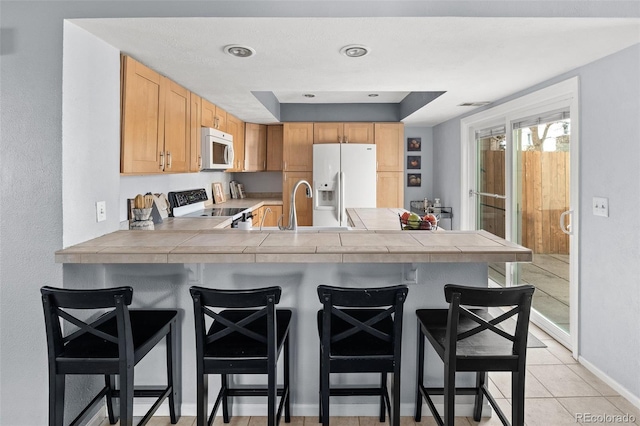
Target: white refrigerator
(344, 176)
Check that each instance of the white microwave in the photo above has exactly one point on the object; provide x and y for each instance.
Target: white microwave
(217, 149)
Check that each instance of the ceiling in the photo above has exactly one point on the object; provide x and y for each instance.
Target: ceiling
(470, 59)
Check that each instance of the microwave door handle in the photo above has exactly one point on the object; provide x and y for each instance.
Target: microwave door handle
(226, 155)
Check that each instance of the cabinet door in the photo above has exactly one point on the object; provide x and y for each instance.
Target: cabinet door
(389, 146)
(390, 190)
(195, 157)
(257, 217)
(328, 132)
(271, 217)
(255, 147)
(274, 147)
(358, 133)
(208, 114)
(304, 205)
(235, 127)
(177, 128)
(221, 119)
(143, 100)
(298, 147)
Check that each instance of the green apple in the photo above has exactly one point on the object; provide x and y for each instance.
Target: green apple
(414, 221)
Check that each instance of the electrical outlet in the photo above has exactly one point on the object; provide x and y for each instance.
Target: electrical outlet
(601, 206)
(101, 211)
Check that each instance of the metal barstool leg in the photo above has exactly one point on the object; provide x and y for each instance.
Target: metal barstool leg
(419, 374)
(202, 396)
(394, 416)
(172, 370)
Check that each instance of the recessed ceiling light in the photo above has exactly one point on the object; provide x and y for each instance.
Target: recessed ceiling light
(309, 95)
(373, 95)
(239, 51)
(475, 104)
(354, 51)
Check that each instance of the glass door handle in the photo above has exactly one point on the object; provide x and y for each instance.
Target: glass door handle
(486, 194)
(563, 226)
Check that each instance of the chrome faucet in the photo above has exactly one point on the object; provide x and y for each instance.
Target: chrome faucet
(293, 218)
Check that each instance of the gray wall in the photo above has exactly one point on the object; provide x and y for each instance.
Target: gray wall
(32, 171)
(609, 247)
(426, 170)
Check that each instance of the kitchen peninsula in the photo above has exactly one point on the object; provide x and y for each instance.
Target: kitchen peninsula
(161, 265)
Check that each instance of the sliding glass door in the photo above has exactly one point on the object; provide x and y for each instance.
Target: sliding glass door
(520, 181)
(542, 204)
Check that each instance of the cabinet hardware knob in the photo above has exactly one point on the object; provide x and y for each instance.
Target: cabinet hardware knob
(168, 159)
(162, 160)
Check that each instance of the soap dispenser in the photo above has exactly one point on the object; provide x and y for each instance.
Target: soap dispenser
(246, 222)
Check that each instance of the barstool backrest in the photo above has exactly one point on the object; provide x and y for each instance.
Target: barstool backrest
(332, 298)
(56, 300)
(203, 298)
(518, 298)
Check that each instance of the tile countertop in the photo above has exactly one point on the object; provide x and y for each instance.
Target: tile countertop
(375, 239)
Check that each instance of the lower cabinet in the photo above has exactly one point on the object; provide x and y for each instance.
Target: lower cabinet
(304, 205)
(390, 189)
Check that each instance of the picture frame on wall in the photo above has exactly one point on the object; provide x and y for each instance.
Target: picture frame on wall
(414, 144)
(414, 162)
(414, 179)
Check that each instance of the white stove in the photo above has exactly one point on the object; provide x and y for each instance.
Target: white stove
(191, 204)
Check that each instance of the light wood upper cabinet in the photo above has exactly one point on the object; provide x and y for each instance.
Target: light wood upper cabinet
(274, 147)
(358, 133)
(255, 147)
(327, 132)
(304, 205)
(195, 163)
(220, 119)
(177, 128)
(297, 147)
(235, 127)
(390, 190)
(208, 117)
(143, 101)
(389, 139)
(343, 133)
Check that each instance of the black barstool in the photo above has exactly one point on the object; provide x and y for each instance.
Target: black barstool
(361, 332)
(474, 340)
(110, 345)
(241, 340)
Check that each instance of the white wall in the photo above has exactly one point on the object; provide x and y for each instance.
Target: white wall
(609, 247)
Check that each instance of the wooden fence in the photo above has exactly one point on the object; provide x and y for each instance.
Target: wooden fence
(545, 195)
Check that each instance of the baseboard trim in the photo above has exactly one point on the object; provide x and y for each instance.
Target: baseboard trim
(464, 407)
(633, 399)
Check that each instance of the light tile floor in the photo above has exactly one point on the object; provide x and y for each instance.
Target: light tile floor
(558, 391)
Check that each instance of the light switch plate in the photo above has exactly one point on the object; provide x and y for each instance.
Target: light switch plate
(101, 211)
(600, 206)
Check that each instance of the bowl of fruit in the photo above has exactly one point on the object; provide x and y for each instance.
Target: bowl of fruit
(415, 222)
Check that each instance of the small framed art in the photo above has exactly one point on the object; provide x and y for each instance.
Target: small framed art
(218, 192)
(414, 179)
(414, 144)
(414, 162)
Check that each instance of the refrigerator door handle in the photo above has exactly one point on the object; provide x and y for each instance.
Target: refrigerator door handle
(341, 200)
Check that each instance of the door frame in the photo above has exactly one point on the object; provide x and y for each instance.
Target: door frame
(563, 94)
